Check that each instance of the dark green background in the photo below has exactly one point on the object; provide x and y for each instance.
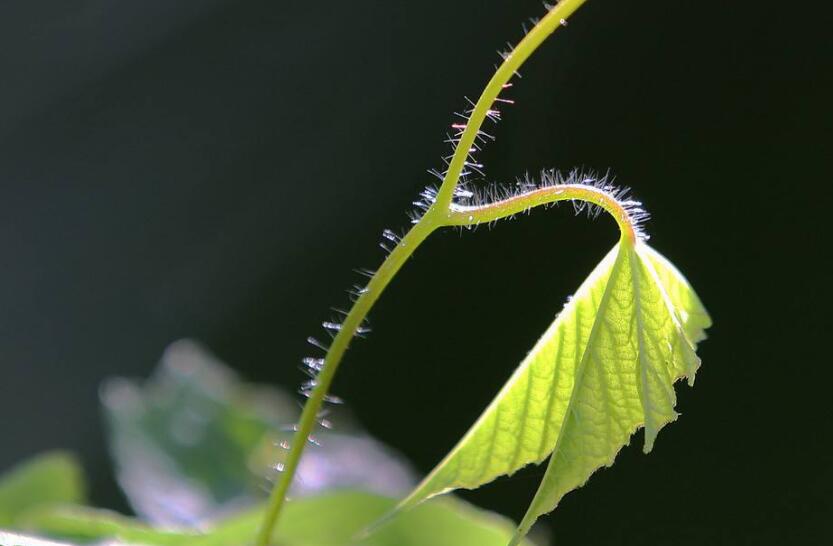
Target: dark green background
(215, 169)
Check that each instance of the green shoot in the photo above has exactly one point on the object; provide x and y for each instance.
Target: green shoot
(605, 367)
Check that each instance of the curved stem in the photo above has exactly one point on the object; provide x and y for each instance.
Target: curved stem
(456, 215)
(440, 214)
(459, 215)
(349, 328)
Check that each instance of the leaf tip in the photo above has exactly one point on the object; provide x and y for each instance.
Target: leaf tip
(650, 438)
(651, 432)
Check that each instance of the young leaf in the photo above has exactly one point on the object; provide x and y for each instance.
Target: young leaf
(604, 368)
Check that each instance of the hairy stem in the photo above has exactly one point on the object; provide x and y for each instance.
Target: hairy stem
(459, 215)
(546, 26)
(351, 324)
(442, 213)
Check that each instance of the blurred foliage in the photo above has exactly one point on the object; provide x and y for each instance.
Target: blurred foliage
(181, 441)
(195, 442)
(193, 447)
(330, 519)
(51, 478)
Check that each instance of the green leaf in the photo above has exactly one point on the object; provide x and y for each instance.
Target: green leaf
(84, 524)
(693, 316)
(338, 518)
(50, 478)
(603, 369)
(333, 519)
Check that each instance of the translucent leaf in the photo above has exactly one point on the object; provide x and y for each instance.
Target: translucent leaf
(51, 478)
(692, 314)
(603, 369)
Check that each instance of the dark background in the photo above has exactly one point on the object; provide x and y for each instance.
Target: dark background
(215, 169)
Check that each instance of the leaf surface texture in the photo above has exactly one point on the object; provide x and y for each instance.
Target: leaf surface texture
(603, 369)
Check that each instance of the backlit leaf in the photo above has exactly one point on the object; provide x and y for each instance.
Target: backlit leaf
(603, 369)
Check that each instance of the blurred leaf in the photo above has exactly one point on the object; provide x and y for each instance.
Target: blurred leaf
(181, 441)
(195, 442)
(85, 525)
(333, 519)
(50, 478)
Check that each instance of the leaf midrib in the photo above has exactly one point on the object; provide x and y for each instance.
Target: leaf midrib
(529, 518)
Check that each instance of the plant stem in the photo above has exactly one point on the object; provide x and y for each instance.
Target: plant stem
(455, 215)
(546, 26)
(459, 215)
(349, 327)
(440, 214)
